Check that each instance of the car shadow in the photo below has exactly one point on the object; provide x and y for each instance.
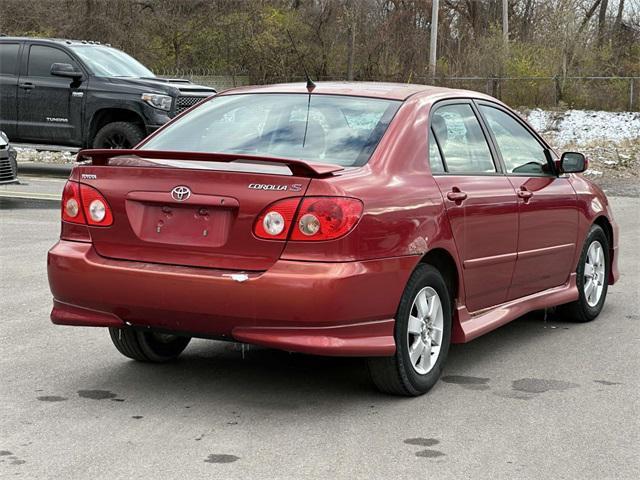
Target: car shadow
(215, 374)
(212, 374)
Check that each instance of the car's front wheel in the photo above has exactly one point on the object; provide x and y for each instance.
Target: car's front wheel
(592, 278)
(148, 346)
(422, 336)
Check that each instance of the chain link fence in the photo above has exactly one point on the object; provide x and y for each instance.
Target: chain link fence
(589, 93)
(207, 78)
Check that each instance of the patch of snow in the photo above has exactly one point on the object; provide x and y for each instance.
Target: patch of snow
(539, 119)
(595, 173)
(32, 155)
(585, 126)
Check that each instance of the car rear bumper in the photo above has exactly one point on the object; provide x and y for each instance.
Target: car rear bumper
(312, 307)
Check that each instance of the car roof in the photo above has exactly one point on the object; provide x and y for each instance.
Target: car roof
(59, 41)
(391, 91)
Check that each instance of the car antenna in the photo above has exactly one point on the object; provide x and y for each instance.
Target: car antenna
(310, 84)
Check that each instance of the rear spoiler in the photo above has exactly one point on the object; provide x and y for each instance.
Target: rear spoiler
(298, 167)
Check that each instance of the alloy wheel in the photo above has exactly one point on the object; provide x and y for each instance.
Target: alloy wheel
(594, 273)
(424, 333)
(117, 140)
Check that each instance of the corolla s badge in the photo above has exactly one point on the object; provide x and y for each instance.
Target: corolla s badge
(181, 193)
(296, 187)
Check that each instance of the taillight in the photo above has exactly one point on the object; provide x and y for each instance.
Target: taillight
(71, 203)
(326, 218)
(85, 205)
(318, 218)
(275, 221)
(96, 208)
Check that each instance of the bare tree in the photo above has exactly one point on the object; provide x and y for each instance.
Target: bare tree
(602, 16)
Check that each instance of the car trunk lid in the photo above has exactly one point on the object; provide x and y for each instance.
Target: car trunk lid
(190, 209)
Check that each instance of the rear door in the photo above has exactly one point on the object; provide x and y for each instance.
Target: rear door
(9, 62)
(481, 203)
(547, 206)
(49, 107)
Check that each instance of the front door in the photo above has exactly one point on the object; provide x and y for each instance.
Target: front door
(49, 107)
(548, 215)
(481, 204)
(9, 87)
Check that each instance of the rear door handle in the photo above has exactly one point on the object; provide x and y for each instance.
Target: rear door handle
(456, 195)
(525, 194)
(27, 86)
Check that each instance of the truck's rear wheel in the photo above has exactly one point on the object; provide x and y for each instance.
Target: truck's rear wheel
(118, 135)
(148, 346)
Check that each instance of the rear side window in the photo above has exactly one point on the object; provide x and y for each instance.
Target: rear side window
(520, 151)
(41, 58)
(461, 140)
(9, 58)
(435, 159)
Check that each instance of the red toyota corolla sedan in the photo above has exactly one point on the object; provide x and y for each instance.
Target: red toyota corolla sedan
(352, 219)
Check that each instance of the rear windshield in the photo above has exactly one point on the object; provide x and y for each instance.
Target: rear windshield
(324, 128)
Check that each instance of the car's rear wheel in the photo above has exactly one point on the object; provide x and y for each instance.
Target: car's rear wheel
(118, 135)
(148, 346)
(422, 336)
(592, 278)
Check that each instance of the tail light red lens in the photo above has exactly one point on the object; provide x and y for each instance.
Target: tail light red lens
(318, 218)
(275, 221)
(85, 205)
(96, 208)
(326, 218)
(71, 203)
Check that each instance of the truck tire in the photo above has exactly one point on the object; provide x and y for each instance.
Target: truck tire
(118, 135)
(148, 346)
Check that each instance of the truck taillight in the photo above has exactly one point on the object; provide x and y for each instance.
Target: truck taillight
(85, 205)
(318, 218)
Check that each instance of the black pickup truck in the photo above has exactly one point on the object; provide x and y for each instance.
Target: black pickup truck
(84, 94)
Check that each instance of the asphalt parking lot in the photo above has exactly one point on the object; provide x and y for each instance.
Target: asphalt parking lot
(538, 398)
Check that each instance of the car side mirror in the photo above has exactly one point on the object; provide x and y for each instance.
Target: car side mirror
(573, 162)
(65, 70)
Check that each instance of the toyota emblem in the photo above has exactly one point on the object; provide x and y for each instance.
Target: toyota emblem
(181, 193)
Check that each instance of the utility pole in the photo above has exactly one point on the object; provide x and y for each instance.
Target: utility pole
(434, 40)
(505, 22)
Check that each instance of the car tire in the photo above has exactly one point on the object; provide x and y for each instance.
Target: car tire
(118, 135)
(148, 346)
(592, 278)
(402, 374)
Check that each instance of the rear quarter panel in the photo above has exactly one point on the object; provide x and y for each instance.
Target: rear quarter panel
(403, 208)
(403, 215)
